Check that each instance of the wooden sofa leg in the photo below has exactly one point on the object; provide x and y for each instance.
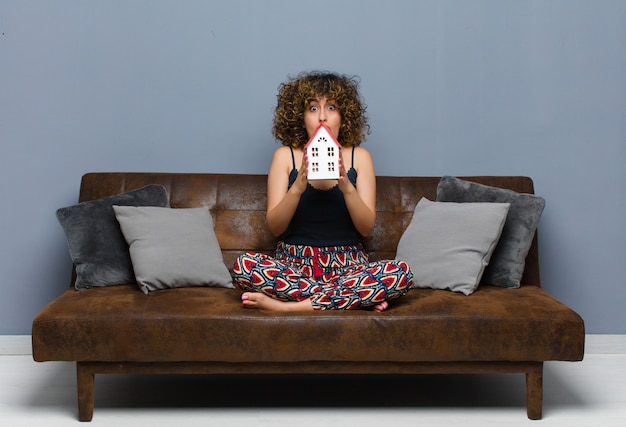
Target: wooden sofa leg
(85, 385)
(534, 392)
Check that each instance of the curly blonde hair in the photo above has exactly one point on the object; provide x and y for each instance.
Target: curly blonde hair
(295, 95)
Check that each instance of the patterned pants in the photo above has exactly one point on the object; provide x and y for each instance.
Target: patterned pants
(334, 277)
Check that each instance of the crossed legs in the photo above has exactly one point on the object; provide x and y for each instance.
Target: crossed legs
(279, 286)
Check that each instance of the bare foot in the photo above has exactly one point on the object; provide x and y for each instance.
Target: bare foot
(381, 307)
(264, 302)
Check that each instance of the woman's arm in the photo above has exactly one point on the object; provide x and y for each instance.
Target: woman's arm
(282, 201)
(361, 201)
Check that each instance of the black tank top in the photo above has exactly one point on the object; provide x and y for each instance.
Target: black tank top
(322, 217)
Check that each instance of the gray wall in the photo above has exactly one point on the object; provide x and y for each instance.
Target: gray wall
(496, 87)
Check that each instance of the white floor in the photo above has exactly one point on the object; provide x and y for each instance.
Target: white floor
(588, 393)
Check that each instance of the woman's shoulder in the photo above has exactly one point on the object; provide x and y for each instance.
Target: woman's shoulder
(282, 153)
(284, 158)
(286, 150)
(361, 151)
(361, 155)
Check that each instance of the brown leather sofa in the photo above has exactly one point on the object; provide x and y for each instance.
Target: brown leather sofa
(119, 329)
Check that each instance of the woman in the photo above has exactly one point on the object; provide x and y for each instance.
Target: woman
(320, 262)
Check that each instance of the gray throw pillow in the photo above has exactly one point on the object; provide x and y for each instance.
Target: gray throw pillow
(173, 248)
(509, 259)
(448, 245)
(95, 241)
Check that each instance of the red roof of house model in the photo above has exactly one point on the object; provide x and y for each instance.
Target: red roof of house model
(322, 125)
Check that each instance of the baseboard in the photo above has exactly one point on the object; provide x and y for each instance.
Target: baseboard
(16, 345)
(605, 344)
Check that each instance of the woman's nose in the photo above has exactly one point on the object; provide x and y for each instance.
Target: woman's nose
(322, 116)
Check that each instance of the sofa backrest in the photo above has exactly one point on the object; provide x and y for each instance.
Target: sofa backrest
(237, 203)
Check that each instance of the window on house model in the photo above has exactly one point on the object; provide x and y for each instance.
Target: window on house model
(314, 152)
(315, 167)
(331, 166)
(331, 151)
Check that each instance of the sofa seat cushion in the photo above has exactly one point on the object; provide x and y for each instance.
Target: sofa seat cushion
(209, 325)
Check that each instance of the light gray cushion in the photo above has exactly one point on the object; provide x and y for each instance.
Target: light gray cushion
(95, 241)
(173, 248)
(509, 259)
(448, 245)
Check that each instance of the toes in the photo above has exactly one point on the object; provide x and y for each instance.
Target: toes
(382, 306)
(248, 299)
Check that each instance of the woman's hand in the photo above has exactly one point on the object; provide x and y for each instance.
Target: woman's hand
(344, 183)
(360, 200)
(302, 180)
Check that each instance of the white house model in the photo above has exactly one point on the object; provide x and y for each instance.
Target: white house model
(323, 152)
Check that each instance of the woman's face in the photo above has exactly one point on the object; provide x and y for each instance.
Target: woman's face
(321, 110)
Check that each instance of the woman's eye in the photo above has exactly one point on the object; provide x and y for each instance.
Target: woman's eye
(313, 108)
(332, 107)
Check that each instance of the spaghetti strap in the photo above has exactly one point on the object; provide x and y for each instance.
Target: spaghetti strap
(293, 158)
(353, 147)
